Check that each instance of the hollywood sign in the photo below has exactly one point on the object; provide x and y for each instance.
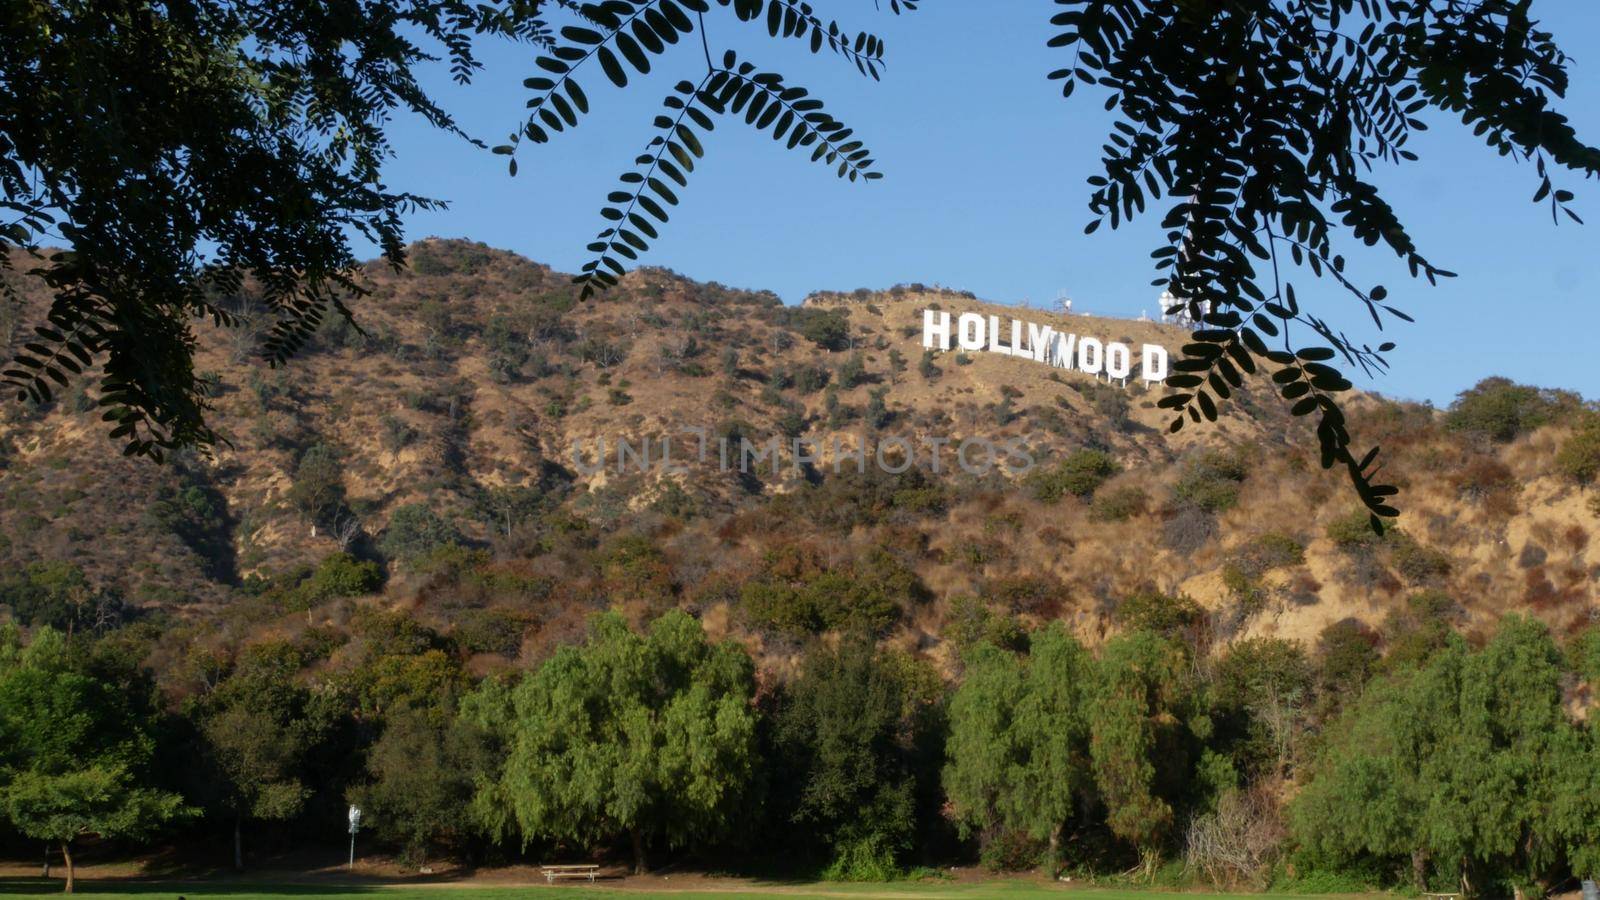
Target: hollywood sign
(1042, 344)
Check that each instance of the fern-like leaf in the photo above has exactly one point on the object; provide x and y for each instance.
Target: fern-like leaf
(792, 19)
(630, 33)
(641, 203)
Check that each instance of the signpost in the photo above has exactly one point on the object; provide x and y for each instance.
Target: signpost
(355, 823)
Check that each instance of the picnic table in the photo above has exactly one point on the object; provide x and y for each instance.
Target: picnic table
(552, 872)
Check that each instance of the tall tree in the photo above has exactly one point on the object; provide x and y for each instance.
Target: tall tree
(1019, 738)
(259, 725)
(1261, 695)
(1465, 766)
(75, 751)
(847, 733)
(1141, 743)
(423, 772)
(647, 736)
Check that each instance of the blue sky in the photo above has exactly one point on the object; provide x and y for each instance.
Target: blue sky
(984, 190)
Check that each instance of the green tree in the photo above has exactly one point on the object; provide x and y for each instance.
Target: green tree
(415, 531)
(75, 751)
(853, 371)
(1464, 766)
(1499, 409)
(1347, 655)
(1140, 738)
(318, 486)
(422, 774)
(650, 736)
(1019, 739)
(258, 727)
(846, 730)
(1575, 813)
(59, 594)
(1263, 689)
(828, 329)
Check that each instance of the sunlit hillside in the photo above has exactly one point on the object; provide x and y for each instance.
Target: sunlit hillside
(438, 442)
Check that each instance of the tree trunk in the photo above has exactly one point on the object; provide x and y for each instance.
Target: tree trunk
(640, 866)
(238, 843)
(1052, 862)
(46, 859)
(66, 857)
(1152, 861)
(1419, 869)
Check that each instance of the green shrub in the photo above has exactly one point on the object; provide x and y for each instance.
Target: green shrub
(675, 502)
(867, 858)
(1353, 532)
(1245, 587)
(970, 622)
(878, 414)
(395, 434)
(1347, 655)
(810, 379)
(1079, 475)
(340, 575)
(1307, 880)
(1420, 629)
(798, 596)
(1500, 409)
(1151, 610)
(497, 631)
(853, 372)
(1118, 504)
(1039, 596)
(1415, 562)
(1275, 549)
(1012, 850)
(1579, 456)
(1241, 574)
(828, 329)
(1210, 481)
(415, 531)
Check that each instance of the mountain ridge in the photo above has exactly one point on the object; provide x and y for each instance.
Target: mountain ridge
(477, 372)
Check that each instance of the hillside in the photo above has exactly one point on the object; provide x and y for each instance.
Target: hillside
(438, 441)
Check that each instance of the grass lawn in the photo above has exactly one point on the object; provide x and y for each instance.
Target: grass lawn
(252, 890)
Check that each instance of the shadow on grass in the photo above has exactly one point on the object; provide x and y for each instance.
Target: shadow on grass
(207, 888)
